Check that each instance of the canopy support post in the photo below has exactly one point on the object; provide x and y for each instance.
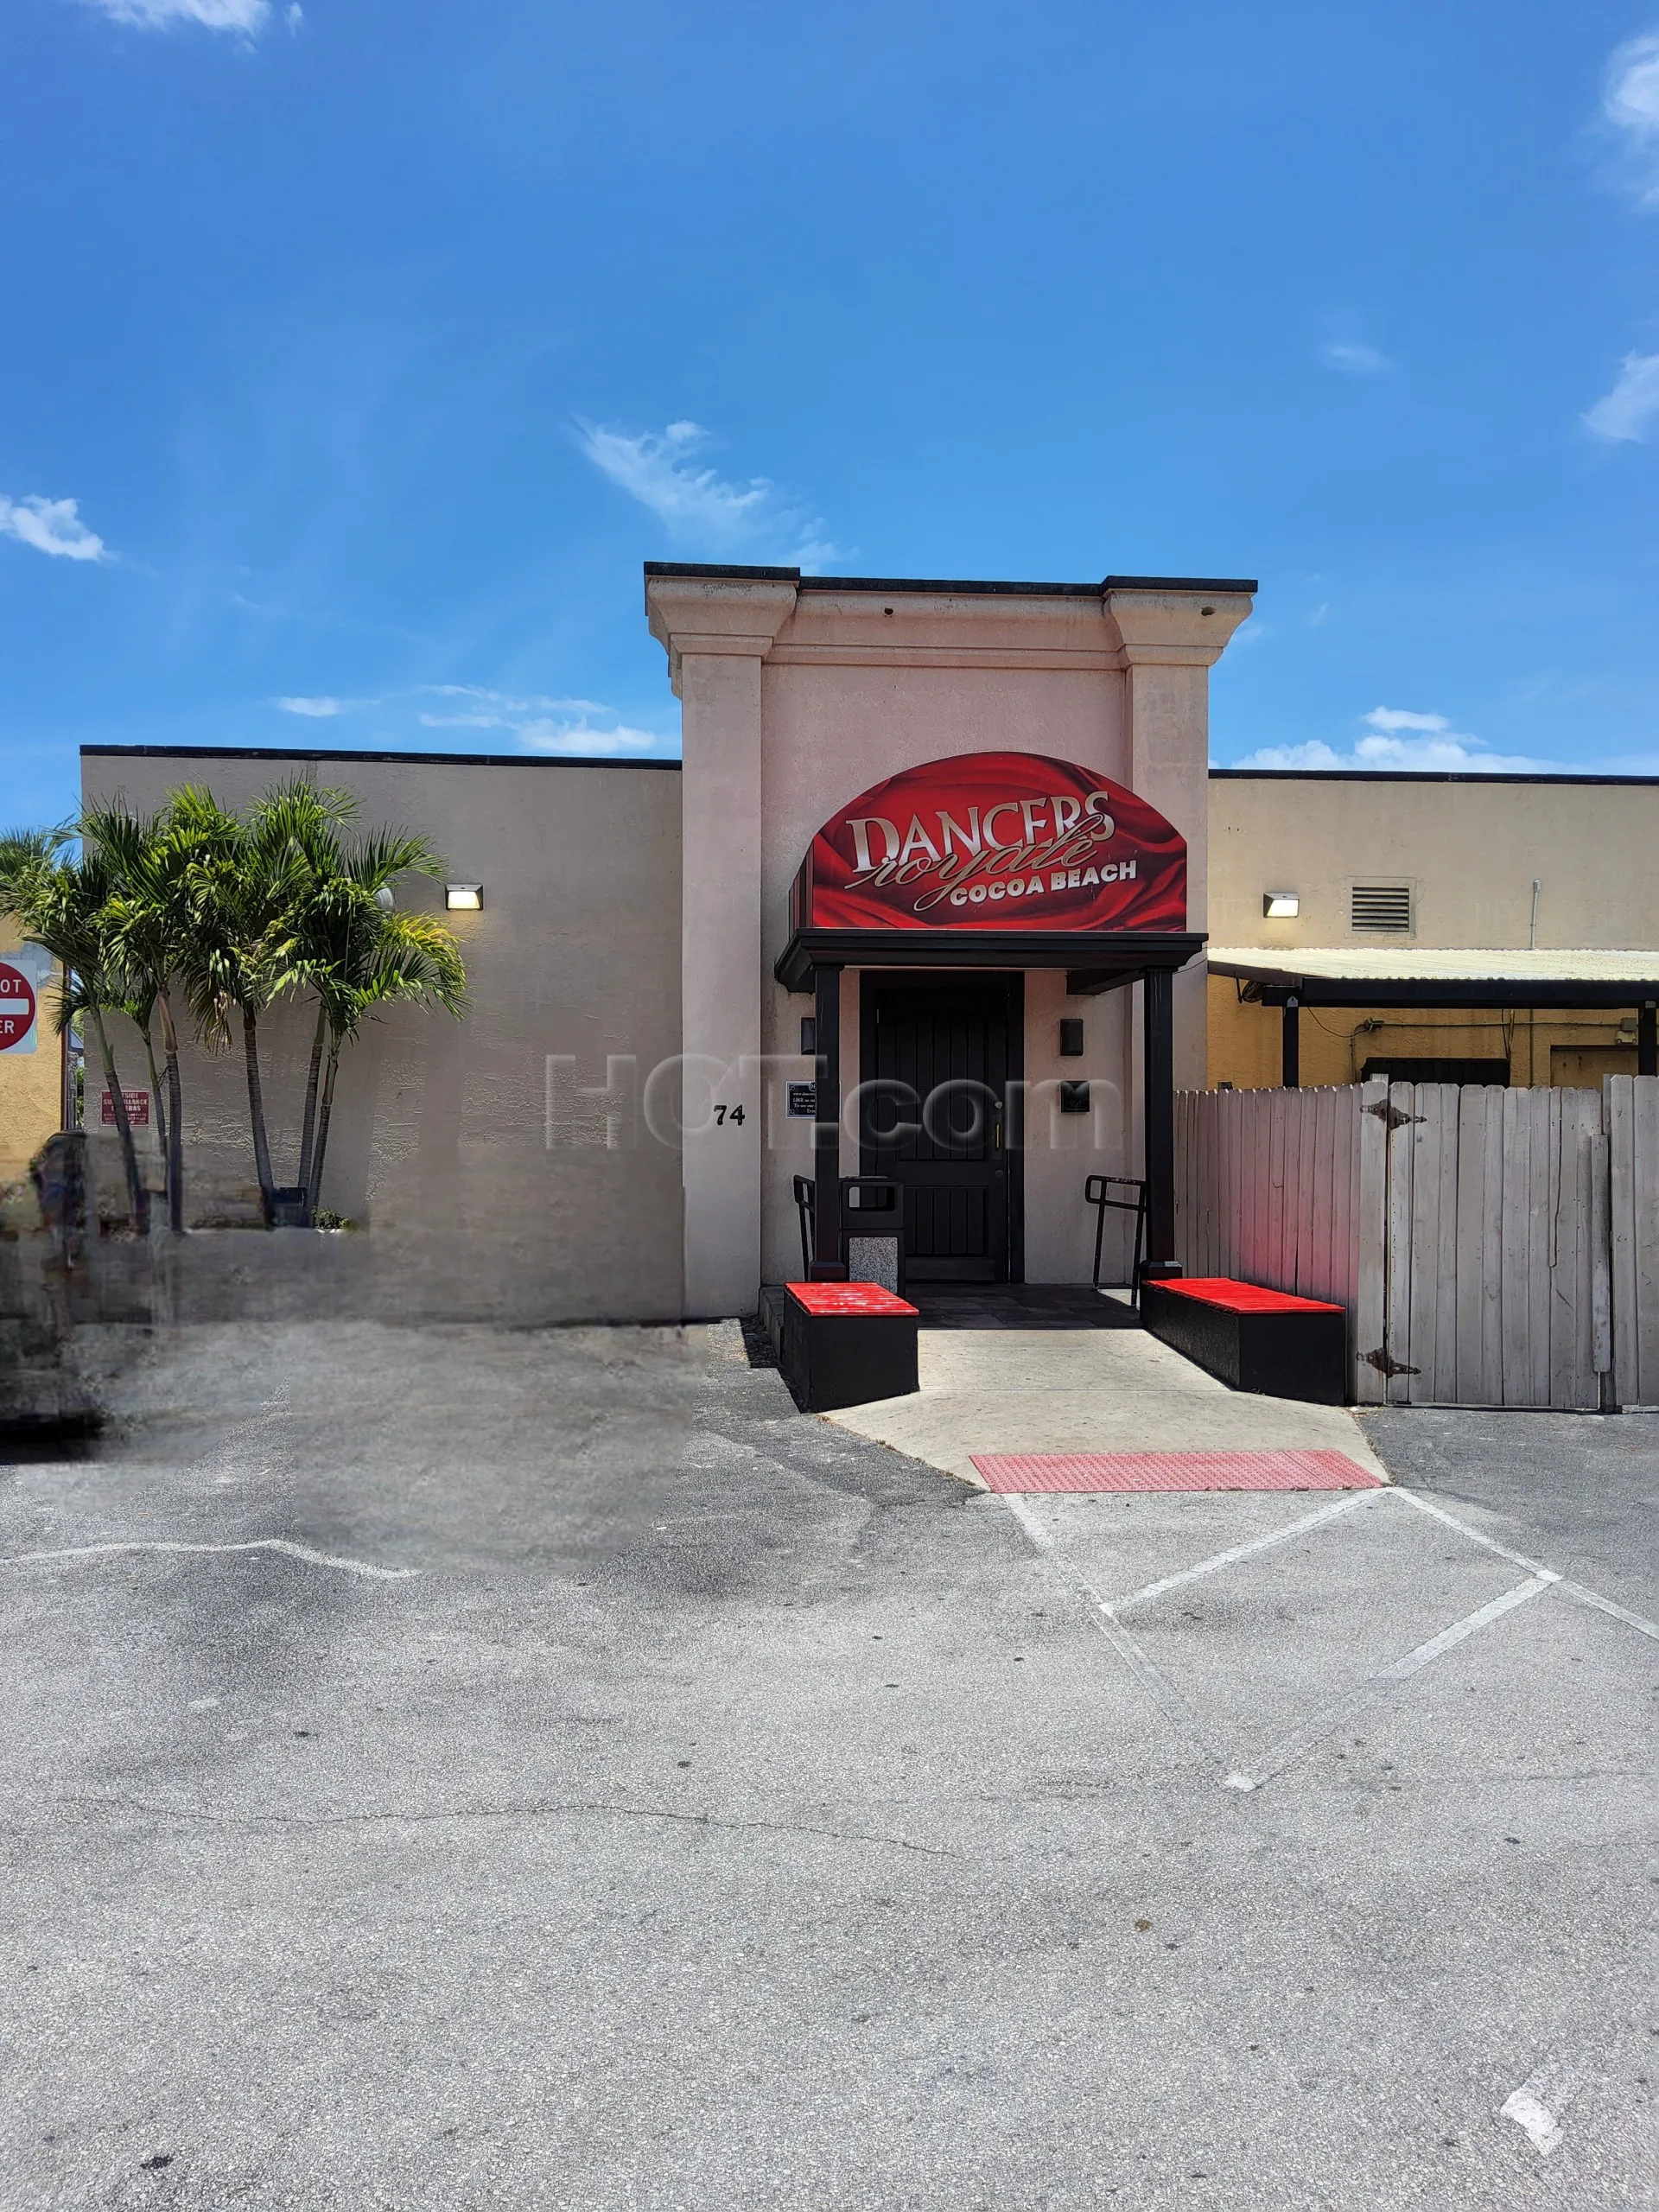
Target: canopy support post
(828, 1266)
(1158, 1018)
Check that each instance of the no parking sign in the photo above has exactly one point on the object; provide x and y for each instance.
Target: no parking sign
(18, 1008)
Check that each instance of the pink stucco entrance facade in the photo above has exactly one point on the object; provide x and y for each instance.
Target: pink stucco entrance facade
(798, 693)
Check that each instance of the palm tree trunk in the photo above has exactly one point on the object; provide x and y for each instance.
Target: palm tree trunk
(138, 1196)
(308, 1126)
(159, 1103)
(174, 1120)
(257, 1110)
(313, 1189)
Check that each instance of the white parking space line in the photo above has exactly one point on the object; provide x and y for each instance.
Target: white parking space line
(1537, 2107)
(255, 1544)
(1568, 1588)
(1169, 1701)
(1286, 1753)
(1292, 1748)
(1246, 1550)
(1540, 2123)
(1487, 1543)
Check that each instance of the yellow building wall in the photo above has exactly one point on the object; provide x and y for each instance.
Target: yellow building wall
(31, 1083)
(1471, 851)
(1245, 1041)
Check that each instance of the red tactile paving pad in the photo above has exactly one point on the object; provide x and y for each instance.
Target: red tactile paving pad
(1014, 1474)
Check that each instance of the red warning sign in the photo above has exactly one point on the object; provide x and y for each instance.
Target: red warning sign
(16, 1009)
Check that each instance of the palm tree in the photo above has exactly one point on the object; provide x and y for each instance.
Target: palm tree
(361, 953)
(349, 944)
(297, 826)
(139, 1006)
(60, 903)
(148, 927)
(244, 879)
(213, 912)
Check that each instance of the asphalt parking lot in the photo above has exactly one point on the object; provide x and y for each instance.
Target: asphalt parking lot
(451, 1768)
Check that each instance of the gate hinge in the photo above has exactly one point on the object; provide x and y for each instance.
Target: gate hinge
(1385, 1364)
(1391, 1116)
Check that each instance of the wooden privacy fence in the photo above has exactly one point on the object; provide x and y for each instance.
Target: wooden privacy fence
(1632, 1108)
(1490, 1247)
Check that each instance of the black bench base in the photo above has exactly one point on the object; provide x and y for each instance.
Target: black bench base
(840, 1359)
(1276, 1355)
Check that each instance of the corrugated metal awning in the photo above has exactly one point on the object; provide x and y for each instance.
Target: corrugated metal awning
(1435, 963)
(1379, 974)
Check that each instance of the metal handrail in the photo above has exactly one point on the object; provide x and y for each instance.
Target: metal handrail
(1096, 1189)
(805, 1191)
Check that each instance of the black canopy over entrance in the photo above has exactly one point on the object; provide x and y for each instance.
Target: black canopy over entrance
(1094, 961)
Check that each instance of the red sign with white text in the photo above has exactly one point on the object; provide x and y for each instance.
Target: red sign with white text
(995, 840)
(17, 1008)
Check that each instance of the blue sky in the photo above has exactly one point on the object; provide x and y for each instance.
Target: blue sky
(358, 354)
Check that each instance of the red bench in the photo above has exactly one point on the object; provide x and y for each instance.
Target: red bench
(1268, 1341)
(845, 1344)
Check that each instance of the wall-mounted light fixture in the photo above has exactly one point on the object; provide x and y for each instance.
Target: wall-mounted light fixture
(1280, 906)
(1070, 1037)
(463, 898)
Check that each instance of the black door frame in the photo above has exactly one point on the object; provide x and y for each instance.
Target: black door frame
(1010, 984)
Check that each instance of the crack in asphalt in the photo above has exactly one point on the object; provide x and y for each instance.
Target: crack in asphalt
(535, 1808)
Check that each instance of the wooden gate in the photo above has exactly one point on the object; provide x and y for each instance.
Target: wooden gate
(1498, 1285)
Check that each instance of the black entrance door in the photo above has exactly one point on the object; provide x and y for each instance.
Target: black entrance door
(936, 1057)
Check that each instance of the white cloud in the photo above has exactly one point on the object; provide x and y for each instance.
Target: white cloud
(534, 721)
(1630, 104)
(1390, 720)
(320, 710)
(699, 508)
(582, 737)
(52, 526)
(248, 17)
(538, 724)
(1629, 409)
(1354, 359)
(487, 709)
(1399, 738)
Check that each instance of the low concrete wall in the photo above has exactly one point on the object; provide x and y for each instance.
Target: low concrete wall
(80, 1294)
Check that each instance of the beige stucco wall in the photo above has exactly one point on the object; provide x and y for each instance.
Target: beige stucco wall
(440, 1145)
(796, 700)
(31, 1083)
(1470, 851)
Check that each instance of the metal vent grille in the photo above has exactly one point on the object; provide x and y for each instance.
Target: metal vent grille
(1381, 906)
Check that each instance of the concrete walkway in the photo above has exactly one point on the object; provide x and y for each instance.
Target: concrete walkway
(1084, 1390)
